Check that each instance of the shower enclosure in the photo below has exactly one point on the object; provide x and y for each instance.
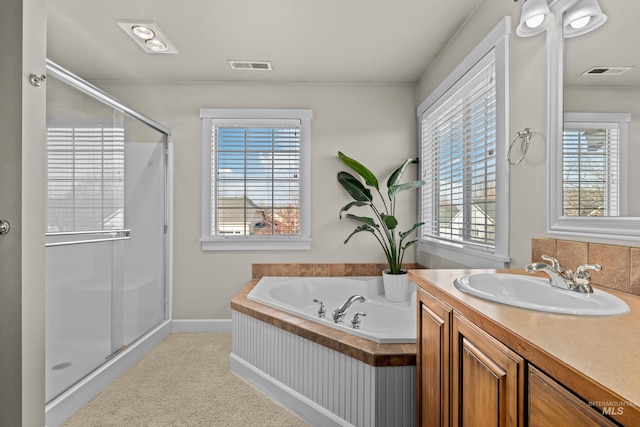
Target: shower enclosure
(107, 241)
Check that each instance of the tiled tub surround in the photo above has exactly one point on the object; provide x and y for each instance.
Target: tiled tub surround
(620, 264)
(327, 376)
(322, 270)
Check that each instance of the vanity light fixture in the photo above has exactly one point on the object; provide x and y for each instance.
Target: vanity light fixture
(534, 18)
(582, 17)
(148, 35)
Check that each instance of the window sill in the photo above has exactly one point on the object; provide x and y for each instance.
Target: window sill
(255, 244)
(464, 256)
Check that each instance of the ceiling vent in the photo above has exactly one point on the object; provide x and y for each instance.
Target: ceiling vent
(606, 71)
(251, 65)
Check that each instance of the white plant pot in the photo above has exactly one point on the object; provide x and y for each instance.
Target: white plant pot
(396, 286)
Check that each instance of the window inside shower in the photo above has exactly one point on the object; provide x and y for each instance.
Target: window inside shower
(106, 232)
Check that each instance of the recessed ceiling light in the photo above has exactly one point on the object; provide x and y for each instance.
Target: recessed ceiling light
(143, 32)
(148, 35)
(155, 45)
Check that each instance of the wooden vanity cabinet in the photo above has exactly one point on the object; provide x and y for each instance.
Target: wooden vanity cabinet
(433, 355)
(465, 376)
(550, 404)
(487, 379)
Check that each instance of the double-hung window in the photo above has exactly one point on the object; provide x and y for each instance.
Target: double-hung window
(256, 179)
(462, 131)
(593, 164)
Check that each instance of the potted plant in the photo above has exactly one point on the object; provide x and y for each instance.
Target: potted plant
(383, 224)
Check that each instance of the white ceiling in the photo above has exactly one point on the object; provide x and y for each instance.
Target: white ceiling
(615, 43)
(386, 41)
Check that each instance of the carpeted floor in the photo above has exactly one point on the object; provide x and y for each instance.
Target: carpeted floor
(184, 381)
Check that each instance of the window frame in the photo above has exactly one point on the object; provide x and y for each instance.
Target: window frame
(477, 257)
(254, 242)
(619, 121)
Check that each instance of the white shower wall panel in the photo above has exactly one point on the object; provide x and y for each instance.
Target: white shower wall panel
(78, 312)
(143, 262)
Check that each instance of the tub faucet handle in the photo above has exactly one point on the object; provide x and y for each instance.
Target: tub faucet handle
(322, 311)
(355, 322)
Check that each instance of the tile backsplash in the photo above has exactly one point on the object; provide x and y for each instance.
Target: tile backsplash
(620, 264)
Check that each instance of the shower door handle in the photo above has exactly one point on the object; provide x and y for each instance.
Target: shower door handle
(4, 227)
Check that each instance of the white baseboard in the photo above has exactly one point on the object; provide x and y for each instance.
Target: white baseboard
(201, 325)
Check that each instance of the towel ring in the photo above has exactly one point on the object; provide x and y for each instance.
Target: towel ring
(525, 136)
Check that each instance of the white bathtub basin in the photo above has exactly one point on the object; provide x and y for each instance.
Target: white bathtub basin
(385, 322)
(535, 293)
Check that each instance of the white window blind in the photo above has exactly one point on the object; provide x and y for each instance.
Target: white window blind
(458, 138)
(255, 177)
(591, 169)
(85, 178)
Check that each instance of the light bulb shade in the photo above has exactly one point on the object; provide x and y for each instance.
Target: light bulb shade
(534, 18)
(585, 15)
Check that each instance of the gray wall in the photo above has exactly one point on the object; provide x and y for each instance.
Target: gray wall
(373, 123)
(22, 118)
(527, 109)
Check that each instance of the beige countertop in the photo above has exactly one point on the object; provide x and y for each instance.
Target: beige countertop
(598, 357)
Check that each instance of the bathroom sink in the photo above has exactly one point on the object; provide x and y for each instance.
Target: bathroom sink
(535, 293)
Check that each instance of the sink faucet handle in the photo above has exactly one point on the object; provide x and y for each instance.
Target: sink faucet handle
(555, 264)
(322, 311)
(582, 279)
(582, 271)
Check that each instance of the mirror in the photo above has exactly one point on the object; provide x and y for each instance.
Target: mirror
(594, 107)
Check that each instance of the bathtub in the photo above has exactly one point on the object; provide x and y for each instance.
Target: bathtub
(385, 322)
(311, 366)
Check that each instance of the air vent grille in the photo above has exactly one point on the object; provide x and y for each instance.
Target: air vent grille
(251, 65)
(606, 71)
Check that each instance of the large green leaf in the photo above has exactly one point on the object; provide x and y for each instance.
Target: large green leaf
(352, 204)
(406, 233)
(354, 187)
(390, 221)
(409, 244)
(366, 220)
(368, 176)
(363, 227)
(397, 174)
(395, 189)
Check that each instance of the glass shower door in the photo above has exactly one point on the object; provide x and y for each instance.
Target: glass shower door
(106, 233)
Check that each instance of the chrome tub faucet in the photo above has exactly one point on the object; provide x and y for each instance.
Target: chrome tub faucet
(558, 277)
(339, 313)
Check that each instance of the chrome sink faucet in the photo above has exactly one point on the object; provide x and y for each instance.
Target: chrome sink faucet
(339, 313)
(558, 277)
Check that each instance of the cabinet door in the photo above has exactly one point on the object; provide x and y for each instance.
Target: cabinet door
(433, 354)
(550, 404)
(487, 379)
